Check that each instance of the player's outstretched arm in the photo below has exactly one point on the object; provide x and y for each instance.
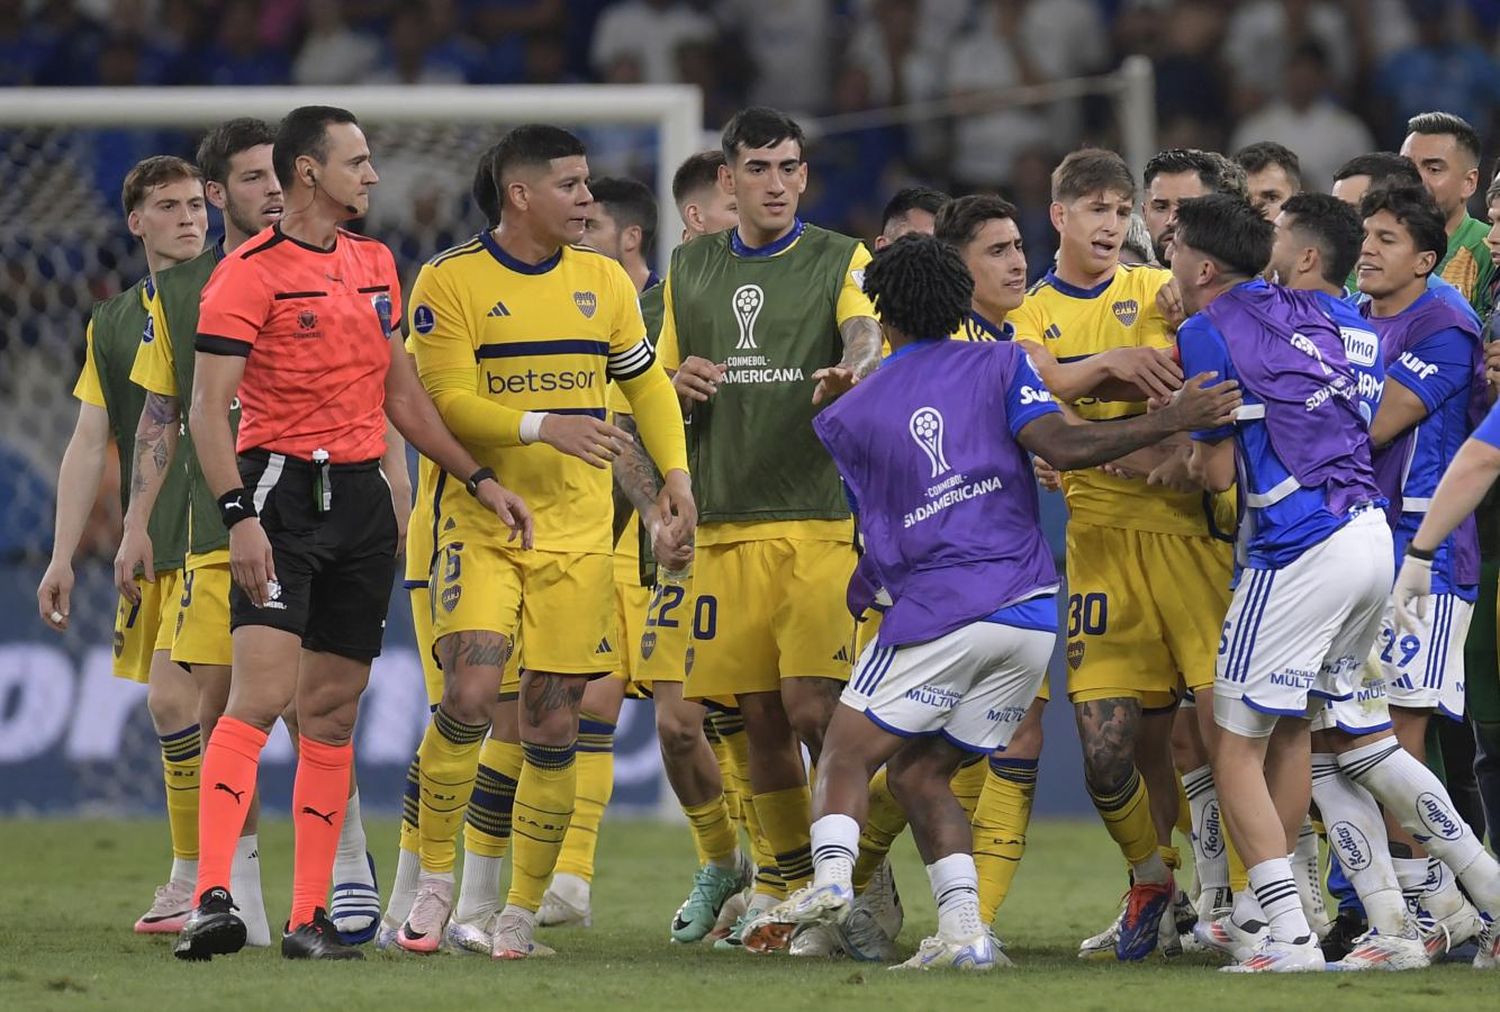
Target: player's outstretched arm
(1212, 464)
(77, 487)
(1120, 374)
(155, 446)
(637, 479)
(1399, 410)
(1069, 445)
(654, 407)
(861, 336)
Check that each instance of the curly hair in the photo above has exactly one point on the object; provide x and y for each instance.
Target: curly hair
(920, 286)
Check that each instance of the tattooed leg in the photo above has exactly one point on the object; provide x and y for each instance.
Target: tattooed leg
(472, 662)
(549, 706)
(1107, 728)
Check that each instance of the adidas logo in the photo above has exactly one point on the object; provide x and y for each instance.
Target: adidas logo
(842, 655)
(604, 647)
(1052, 333)
(498, 310)
(449, 525)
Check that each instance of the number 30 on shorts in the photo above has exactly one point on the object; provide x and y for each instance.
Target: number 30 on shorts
(1088, 614)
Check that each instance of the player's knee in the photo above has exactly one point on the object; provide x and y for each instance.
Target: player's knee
(1107, 770)
(171, 710)
(327, 719)
(469, 700)
(1026, 743)
(909, 781)
(678, 732)
(809, 726)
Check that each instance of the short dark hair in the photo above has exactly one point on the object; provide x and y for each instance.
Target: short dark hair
(304, 131)
(629, 202)
(1493, 193)
(1447, 124)
(920, 286)
(759, 127)
(960, 220)
(1217, 173)
(697, 172)
(912, 198)
(1333, 226)
(485, 189)
(149, 173)
(531, 145)
(1416, 210)
(1383, 167)
(1228, 228)
(1088, 171)
(1262, 154)
(223, 142)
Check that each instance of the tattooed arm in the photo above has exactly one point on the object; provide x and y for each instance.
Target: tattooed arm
(862, 340)
(155, 444)
(639, 484)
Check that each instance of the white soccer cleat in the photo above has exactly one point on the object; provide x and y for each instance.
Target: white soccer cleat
(1213, 904)
(1441, 935)
(515, 936)
(1102, 945)
(1488, 956)
(874, 923)
(1374, 951)
(566, 903)
(980, 954)
(1272, 956)
(472, 937)
(729, 914)
(422, 931)
(772, 930)
(1223, 935)
(385, 935)
(170, 910)
(815, 941)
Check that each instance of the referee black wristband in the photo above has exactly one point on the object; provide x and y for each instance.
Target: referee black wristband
(483, 474)
(234, 506)
(1420, 553)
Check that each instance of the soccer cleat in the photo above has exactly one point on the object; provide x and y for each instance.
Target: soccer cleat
(813, 941)
(423, 930)
(1184, 915)
(734, 941)
(317, 939)
(355, 908)
(1236, 941)
(169, 911)
(1212, 904)
(980, 953)
(1347, 929)
(869, 934)
(385, 935)
(1443, 935)
(515, 936)
(1272, 956)
(1102, 945)
(1374, 951)
(772, 930)
(557, 912)
(1140, 924)
(472, 937)
(712, 888)
(728, 914)
(213, 930)
(1488, 956)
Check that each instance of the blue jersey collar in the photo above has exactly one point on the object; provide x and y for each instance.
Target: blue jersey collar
(652, 280)
(738, 248)
(1074, 292)
(517, 265)
(917, 345)
(999, 331)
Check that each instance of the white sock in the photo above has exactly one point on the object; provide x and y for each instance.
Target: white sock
(1411, 872)
(571, 888)
(1357, 840)
(1210, 856)
(351, 864)
(1422, 805)
(185, 869)
(761, 902)
(1305, 870)
(404, 887)
(244, 886)
(479, 889)
(835, 844)
(1440, 895)
(955, 886)
(1246, 911)
(1276, 892)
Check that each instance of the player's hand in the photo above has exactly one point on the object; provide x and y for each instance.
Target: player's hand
(1169, 302)
(676, 507)
(1150, 370)
(1047, 476)
(402, 506)
(135, 554)
(1119, 471)
(697, 379)
(833, 381)
(251, 561)
(1199, 406)
(591, 440)
(1409, 596)
(509, 507)
(1492, 364)
(54, 596)
(1173, 473)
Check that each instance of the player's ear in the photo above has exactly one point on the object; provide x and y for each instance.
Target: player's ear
(133, 222)
(1057, 213)
(802, 177)
(1471, 182)
(516, 193)
(1426, 262)
(215, 193)
(726, 179)
(630, 238)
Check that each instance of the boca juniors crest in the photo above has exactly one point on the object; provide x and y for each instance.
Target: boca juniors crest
(587, 303)
(1126, 310)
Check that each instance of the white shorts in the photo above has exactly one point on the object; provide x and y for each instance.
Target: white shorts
(1304, 629)
(1425, 670)
(1365, 712)
(971, 686)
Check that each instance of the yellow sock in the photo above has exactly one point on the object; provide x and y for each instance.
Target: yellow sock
(786, 817)
(1000, 822)
(446, 761)
(1184, 811)
(768, 880)
(967, 784)
(716, 726)
(181, 760)
(411, 808)
(1239, 878)
(713, 833)
(596, 782)
(1127, 816)
(544, 807)
(1170, 856)
(885, 822)
(487, 822)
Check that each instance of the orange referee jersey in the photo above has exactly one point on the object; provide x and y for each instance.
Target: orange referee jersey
(314, 326)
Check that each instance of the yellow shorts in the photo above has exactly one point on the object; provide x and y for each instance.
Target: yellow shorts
(666, 643)
(142, 629)
(868, 628)
(1144, 613)
(631, 600)
(421, 626)
(768, 610)
(202, 635)
(556, 608)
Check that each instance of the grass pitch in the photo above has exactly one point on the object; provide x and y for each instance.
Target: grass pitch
(72, 889)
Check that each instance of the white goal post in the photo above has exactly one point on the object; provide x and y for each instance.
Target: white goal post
(675, 110)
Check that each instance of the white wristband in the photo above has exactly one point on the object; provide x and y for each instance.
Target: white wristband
(531, 426)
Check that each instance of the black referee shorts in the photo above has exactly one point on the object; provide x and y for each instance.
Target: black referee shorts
(334, 570)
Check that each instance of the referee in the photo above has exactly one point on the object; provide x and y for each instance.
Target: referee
(298, 323)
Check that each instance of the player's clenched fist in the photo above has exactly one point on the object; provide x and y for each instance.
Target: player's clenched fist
(590, 439)
(697, 379)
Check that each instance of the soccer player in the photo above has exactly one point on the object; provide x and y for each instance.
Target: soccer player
(1446, 151)
(297, 322)
(550, 324)
(774, 550)
(1308, 602)
(964, 646)
(163, 203)
(1179, 174)
(911, 209)
(1272, 174)
(1147, 574)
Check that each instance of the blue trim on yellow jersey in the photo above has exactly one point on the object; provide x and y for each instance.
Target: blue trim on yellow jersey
(1075, 358)
(437, 516)
(518, 349)
(452, 252)
(993, 331)
(739, 248)
(415, 584)
(1073, 291)
(519, 266)
(598, 413)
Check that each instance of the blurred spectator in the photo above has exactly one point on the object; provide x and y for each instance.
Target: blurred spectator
(648, 32)
(1192, 96)
(68, 44)
(502, 28)
(547, 59)
(888, 48)
(237, 56)
(790, 44)
(1441, 71)
(938, 22)
(411, 59)
(333, 52)
(704, 64)
(1031, 192)
(1305, 119)
(846, 169)
(1261, 32)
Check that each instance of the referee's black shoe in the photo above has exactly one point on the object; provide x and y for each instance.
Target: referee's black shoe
(318, 939)
(212, 930)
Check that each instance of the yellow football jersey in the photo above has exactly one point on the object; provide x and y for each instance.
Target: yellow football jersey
(1073, 323)
(977, 327)
(155, 366)
(546, 337)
